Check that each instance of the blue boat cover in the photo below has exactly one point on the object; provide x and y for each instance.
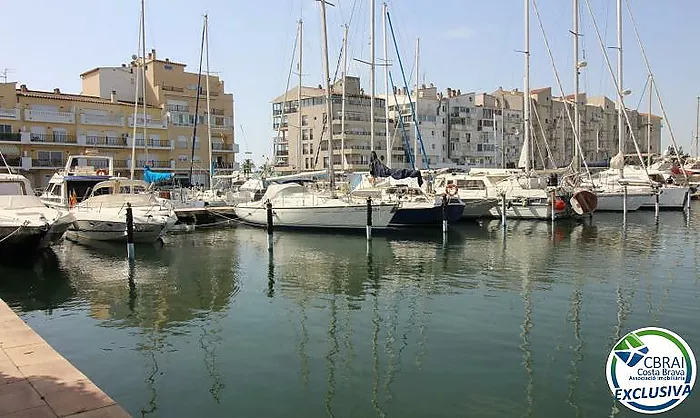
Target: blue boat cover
(153, 177)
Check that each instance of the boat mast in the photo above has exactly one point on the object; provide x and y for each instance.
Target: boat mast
(143, 74)
(329, 104)
(371, 76)
(526, 93)
(301, 23)
(415, 139)
(136, 102)
(620, 108)
(651, 94)
(342, 110)
(206, 42)
(386, 89)
(577, 117)
(697, 127)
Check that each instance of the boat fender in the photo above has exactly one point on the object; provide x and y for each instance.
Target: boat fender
(523, 203)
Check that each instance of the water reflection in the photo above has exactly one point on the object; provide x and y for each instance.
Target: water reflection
(44, 285)
(401, 325)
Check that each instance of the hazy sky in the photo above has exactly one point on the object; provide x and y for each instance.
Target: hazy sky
(465, 44)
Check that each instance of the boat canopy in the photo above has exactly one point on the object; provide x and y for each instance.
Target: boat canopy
(153, 177)
(280, 190)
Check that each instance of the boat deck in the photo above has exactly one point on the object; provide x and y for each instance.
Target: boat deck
(36, 381)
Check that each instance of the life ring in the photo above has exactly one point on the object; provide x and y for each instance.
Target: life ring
(451, 189)
(101, 172)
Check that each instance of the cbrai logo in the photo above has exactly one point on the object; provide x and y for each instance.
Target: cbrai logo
(651, 370)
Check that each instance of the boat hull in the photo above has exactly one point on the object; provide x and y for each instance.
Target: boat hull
(86, 230)
(428, 215)
(530, 210)
(326, 217)
(478, 208)
(612, 202)
(20, 240)
(669, 198)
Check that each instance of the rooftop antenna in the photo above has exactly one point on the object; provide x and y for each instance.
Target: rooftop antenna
(4, 73)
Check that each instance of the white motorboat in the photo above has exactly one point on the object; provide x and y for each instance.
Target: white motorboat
(26, 224)
(75, 182)
(524, 195)
(102, 216)
(296, 207)
(473, 190)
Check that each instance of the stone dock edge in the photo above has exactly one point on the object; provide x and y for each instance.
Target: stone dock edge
(37, 382)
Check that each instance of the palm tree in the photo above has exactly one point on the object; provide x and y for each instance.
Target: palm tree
(248, 166)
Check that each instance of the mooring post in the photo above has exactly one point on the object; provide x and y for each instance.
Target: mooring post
(129, 232)
(656, 205)
(369, 217)
(444, 213)
(687, 200)
(503, 210)
(554, 206)
(624, 204)
(270, 224)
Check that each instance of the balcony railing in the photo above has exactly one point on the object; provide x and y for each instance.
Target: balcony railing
(153, 143)
(10, 136)
(225, 166)
(9, 114)
(121, 163)
(14, 161)
(104, 120)
(153, 164)
(178, 108)
(52, 163)
(49, 116)
(105, 141)
(54, 138)
(224, 147)
(150, 123)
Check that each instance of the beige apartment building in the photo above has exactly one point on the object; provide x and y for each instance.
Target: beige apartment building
(599, 130)
(39, 129)
(300, 140)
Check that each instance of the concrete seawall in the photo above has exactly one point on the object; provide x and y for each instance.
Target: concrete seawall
(37, 382)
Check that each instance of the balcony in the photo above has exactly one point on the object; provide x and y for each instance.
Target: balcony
(150, 123)
(154, 143)
(54, 138)
(153, 164)
(49, 116)
(122, 163)
(102, 120)
(178, 108)
(53, 163)
(14, 161)
(12, 114)
(105, 141)
(225, 166)
(9, 136)
(218, 147)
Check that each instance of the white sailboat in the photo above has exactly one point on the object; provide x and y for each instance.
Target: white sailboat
(26, 224)
(295, 206)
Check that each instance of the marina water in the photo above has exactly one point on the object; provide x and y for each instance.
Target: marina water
(489, 323)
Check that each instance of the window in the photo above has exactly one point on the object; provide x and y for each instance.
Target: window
(60, 135)
(11, 188)
(168, 67)
(182, 158)
(432, 133)
(432, 146)
(5, 129)
(443, 134)
(304, 120)
(55, 158)
(182, 142)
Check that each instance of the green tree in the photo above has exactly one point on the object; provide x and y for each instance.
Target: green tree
(248, 166)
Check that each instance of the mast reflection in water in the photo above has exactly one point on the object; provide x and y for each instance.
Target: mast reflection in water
(494, 323)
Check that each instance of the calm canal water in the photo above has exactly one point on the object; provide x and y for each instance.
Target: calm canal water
(486, 326)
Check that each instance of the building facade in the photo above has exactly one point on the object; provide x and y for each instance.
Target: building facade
(39, 130)
(300, 140)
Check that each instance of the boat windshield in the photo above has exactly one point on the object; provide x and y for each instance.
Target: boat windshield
(12, 188)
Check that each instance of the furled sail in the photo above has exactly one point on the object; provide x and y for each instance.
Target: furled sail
(378, 169)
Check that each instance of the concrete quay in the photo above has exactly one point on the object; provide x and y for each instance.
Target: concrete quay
(37, 382)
